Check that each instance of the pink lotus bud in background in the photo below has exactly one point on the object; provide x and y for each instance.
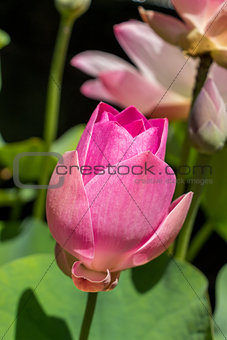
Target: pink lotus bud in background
(208, 120)
(120, 215)
(203, 29)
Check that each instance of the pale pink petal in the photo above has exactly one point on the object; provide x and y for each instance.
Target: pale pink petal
(219, 75)
(88, 280)
(174, 110)
(132, 205)
(68, 214)
(193, 12)
(211, 89)
(166, 26)
(205, 105)
(64, 260)
(158, 61)
(214, 11)
(164, 235)
(95, 62)
(198, 13)
(218, 30)
(94, 89)
(131, 88)
(83, 145)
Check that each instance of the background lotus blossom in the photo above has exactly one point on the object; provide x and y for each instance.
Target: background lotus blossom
(109, 223)
(203, 29)
(161, 84)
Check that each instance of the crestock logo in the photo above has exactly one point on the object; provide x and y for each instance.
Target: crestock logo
(16, 170)
(146, 171)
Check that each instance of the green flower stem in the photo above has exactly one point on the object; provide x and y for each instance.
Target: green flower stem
(184, 160)
(88, 316)
(199, 240)
(203, 69)
(197, 188)
(53, 103)
(55, 80)
(202, 72)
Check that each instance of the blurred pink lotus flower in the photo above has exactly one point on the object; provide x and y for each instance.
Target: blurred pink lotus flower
(203, 29)
(161, 84)
(208, 120)
(105, 222)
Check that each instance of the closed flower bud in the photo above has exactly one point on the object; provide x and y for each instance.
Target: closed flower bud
(208, 121)
(105, 221)
(72, 7)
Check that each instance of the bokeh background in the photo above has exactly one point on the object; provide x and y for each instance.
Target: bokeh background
(32, 26)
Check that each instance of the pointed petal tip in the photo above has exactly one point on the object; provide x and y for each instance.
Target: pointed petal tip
(74, 61)
(144, 14)
(79, 59)
(120, 29)
(166, 232)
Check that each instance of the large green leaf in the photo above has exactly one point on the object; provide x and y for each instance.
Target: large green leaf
(221, 305)
(69, 140)
(50, 307)
(34, 238)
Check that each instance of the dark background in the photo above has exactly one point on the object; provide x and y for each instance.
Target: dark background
(32, 26)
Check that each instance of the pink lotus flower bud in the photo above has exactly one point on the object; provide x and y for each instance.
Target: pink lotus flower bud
(114, 208)
(208, 121)
(203, 29)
